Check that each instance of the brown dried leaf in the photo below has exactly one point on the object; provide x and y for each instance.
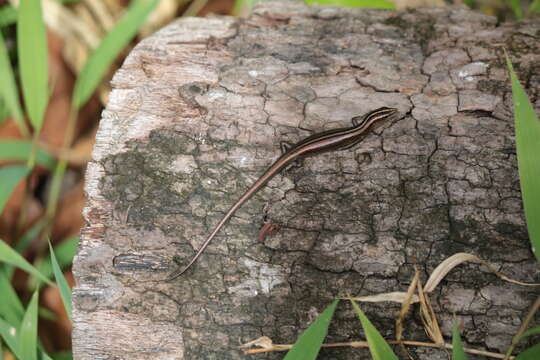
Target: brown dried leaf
(429, 319)
(397, 296)
(263, 342)
(447, 265)
(406, 304)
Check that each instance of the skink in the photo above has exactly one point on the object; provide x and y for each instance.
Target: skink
(342, 138)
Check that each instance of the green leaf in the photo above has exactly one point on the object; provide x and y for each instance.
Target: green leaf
(532, 353)
(458, 353)
(308, 345)
(379, 348)
(108, 50)
(376, 4)
(28, 342)
(47, 314)
(8, 15)
(516, 8)
(533, 331)
(65, 291)
(64, 355)
(30, 235)
(65, 251)
(11, 308)
(4, 113)
(23, 243)
(10, 176)
(528, 148)
(33, 63)
(9, 334)
(19, 150)
(535, 7)
(8, 88)
(43, 355)
(10, 256)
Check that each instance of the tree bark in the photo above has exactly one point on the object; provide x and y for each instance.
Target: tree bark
(197, 113)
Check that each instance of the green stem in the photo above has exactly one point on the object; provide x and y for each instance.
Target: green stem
(60, 169)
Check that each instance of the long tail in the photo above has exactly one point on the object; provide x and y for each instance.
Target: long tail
(269, 174)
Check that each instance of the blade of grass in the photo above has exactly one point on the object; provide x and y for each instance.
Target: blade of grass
(10, 334)
(108, 50)
(28, 333)
(29, 236)
(241, 6)
(528, 148)
(458, 353)
(308, 345)
(47, 314)
(194, 7)
(11, 308)
(529, 318)
(532, 353)
(8, 89)
(64, 355)
(10, 256)
(65, 251)
(533, 331)
(10, 176)
(23, 243)
(20, 150)
(33, 64)
(535, 6)
(43, 355)
(4, 113)
(8, 15)
(375, 4)
(378, 347)
(516, 8)
(65, 291)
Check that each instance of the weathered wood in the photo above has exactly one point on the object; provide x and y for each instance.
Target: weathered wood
(197, 114)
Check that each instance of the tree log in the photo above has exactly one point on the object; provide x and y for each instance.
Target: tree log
(196, 115)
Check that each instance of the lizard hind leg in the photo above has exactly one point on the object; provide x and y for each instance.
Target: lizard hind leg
(286, 146)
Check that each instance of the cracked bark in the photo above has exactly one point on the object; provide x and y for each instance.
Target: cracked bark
(197, 114)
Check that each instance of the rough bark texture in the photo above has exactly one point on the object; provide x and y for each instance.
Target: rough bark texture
(197, 114)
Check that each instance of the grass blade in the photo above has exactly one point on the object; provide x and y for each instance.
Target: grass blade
(458, 353)
(11, 308)
(8, 15)
(10, 176)
(10, 256)
(64, 252)
(379, 348)
(9, 335)
(20, 150)
(308, 345)
(528, 148)
(28, 334)
(108, 49)
(532, 353)
(65, 291)
(4, 113)
(533, 331)
(30, 235)
(8, 88)
(64, 355)
(534, 7)
(375, 4)
(516, 8)
(33, 64)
